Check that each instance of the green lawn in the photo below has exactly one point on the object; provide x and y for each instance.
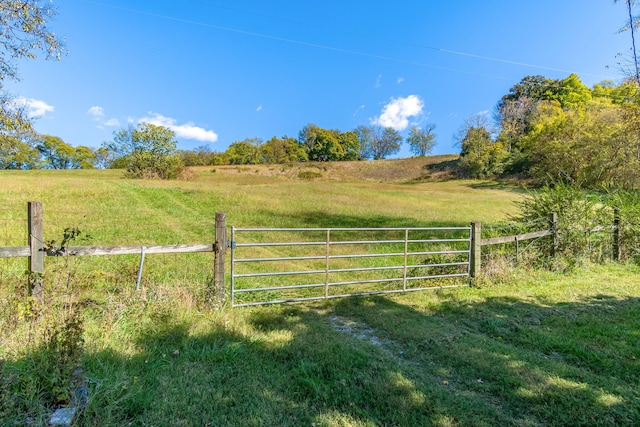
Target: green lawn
(534, 349)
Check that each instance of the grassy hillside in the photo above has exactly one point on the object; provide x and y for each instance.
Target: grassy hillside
(534, 348)
(121, 211)
(393, 170)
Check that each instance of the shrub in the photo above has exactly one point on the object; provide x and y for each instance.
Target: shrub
(309, 175)
(576, 212)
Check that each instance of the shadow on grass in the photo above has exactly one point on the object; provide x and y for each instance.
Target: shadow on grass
(519, 363)
(379, 361)
(500, 185)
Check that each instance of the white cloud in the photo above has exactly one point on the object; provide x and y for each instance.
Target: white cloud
(397, 112)
(33, 107)
(400, 79)
(259, 108)
(378, 81)
(98, 114)
(187, 130)
(96, 111)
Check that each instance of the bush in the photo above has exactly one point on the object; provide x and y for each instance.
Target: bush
(309, 175)
(577, 213)
(627, 205)
(584, 221)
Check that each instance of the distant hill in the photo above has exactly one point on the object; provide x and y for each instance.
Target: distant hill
(391, 170)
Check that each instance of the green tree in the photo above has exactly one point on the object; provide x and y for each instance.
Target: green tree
(377, 142)
(283, 150)
(536, 88)
(84, 158)
(57, 154)
(520, 108)
(571, 92)
(104, 158)
(327, 145)
(17, 154)
(199, 156)
(245, 152)
(480, 155)
(365, 139)
(350, 145)
(422, 140)
(590, 147)
(24, 31)
(624, 93)
(514, 113)
(146, 151)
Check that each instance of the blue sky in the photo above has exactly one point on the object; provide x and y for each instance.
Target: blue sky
(221, 71)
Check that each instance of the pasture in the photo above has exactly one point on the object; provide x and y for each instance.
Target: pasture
(526, 348)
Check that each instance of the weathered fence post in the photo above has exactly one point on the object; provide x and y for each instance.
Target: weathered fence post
(36, 250)
(220, 250)
(553, 226)
(617, 243)
(476, 249)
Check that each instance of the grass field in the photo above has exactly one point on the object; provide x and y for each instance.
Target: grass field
(533, 348)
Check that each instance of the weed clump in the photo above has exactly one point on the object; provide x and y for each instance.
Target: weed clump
(309, 175)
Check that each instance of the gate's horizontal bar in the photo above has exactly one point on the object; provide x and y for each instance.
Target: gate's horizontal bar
(367, 242)
(280, 301)
(293, 258)
(439, 252)
(281, 288)
(397, 254)
(440, 240)
(355, 282)
(258, 230)
(441, 276)
(439, 265)
(363, 242)
(280, 273)
(256, 245)
(321, 257)
(346, 242)
(395, 291)
(347, 270)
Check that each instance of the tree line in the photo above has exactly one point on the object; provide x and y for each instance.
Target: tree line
(560, 130)
(149, 150)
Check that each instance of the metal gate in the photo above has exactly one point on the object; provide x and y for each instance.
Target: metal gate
(276, 265)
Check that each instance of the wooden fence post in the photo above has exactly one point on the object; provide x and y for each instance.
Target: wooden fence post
(553, 226)
(36, 250)
(617, 243)
(220, 250)
(476, 249)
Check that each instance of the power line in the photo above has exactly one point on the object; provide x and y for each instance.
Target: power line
(349, 51)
